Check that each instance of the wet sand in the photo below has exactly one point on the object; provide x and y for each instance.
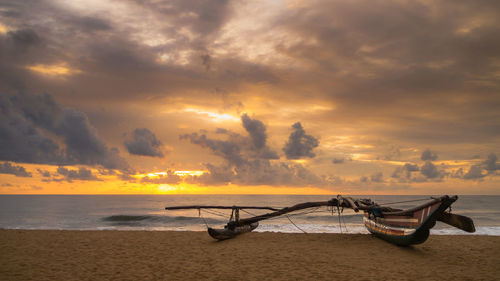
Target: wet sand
(157, 255)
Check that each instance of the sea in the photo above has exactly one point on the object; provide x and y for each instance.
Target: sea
(147, 212)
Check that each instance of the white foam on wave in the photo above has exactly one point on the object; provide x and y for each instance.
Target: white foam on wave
(312, 228)
(266, 227)
(481, 230)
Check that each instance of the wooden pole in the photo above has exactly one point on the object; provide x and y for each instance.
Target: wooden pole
(332, 202)
(219, 207)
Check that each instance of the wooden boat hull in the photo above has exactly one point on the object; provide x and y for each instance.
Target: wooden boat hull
(407, 227)
(226, 233)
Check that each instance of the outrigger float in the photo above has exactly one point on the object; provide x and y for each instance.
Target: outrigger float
(400, 227)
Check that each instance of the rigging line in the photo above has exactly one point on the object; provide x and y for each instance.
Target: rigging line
(305, 212)
(216, 214)
(295, 224)
(345, 225)
(248, 212)
(199, 214)
(338, 211)
(212, 213)
(416, 200)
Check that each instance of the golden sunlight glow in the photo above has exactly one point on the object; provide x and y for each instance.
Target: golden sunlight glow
(300, 161)
(110, 184)
(3, 29)
(189, 173)
(167, 188)
(216, 117)
(53, 70)
(185, 188)
(178, 173)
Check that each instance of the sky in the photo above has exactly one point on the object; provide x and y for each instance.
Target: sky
(249, 97)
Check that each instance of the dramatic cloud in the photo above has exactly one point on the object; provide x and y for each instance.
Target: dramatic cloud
(35, 129)
(257, 132)
(430, 170)
(491, 163)
(43, 173)
(338, 160)
(18, 171)
(405, 171)
(429, 155)
(475, 172)
(144, 143)
(377, 177)
(378, 84)
(245, 161)
(479, 171)
(393, 154)
(299, 144)
(82, 174)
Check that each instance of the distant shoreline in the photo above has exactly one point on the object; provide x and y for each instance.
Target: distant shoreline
(193, 255)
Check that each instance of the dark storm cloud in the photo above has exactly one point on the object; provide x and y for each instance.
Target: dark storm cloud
(491, 163)
(44, 173)
(237, 147)
(393, 153)
(259, 172)
(248, 160)
(338, 160)
(206, 61)
(228, 149)
(18, 49)
(257, 131)
(377, 177)
(24, 38)
(82, 174)
(299, 144)
(430, 170)
(475, 172)
(428, 155)
(479, 171)
(35, 129)
(405, 171)
(145, 143)
(18, 171)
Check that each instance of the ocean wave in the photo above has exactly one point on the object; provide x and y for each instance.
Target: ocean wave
(145, 220)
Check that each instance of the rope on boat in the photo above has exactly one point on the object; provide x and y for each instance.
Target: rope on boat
(215, 213)
(295, 224)
(338, 211)
(199, 214)
(416, 200)
(315, 210)
(248, 212)
(345, 224)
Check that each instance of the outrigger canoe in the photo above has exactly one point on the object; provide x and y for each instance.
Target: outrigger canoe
(412, 226)
(400, 227)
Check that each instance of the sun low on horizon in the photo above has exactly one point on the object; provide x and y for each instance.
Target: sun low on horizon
(249, 97)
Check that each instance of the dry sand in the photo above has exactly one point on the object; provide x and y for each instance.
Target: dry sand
(155, 255)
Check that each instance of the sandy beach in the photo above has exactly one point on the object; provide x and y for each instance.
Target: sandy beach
(155, 255)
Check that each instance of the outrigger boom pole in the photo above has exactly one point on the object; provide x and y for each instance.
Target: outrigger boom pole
(219, 207)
